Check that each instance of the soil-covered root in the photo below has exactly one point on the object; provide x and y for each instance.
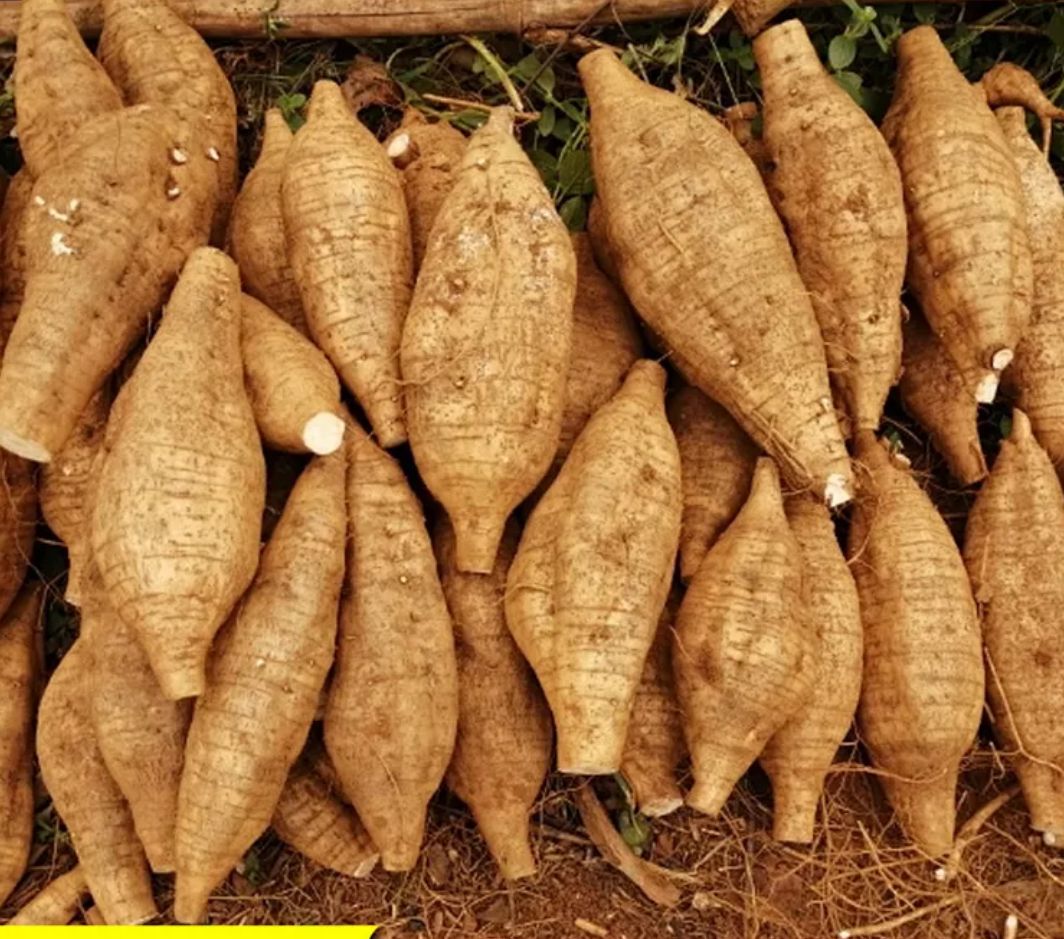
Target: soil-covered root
(182, 444)
(1014, 549)
(60, 85)
(675, 187)
(1007, 84)
(487, 345)
(20, 674)
(256, 228)
(293, 389)
(969, 251)
(394, 690)
(427, 154)
(800, 753)
(839, 192)
(18, 524)
(57, 903)
(743, 653)
(137, 36)
(13, 251)
(348, 237)
(266, 673)
(103, 243)
(1037, 374)
(606, 342)
(942, 401)
(140, 734)
(742, 120)
(86, 797)
(503, 746)
(922, 686)
(593, 570)
(65, 490)
(655, 745)
(312, 819)
(717, 460)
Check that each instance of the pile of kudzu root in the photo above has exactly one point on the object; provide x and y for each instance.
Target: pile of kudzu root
(424, 291)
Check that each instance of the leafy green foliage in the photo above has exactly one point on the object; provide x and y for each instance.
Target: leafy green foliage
(855, 42)
(48, 829)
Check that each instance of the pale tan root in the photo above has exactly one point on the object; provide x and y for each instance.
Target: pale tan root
(87, 799)
(345, 214)
(487, 344)
(394, 690)
(312, 819)
(268, 666)
(503, 746)
(65, 490)
(21, 636)
(293, 389)
(600, 548)
(182, 443)
(57, 904)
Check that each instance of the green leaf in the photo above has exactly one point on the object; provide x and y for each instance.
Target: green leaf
(851, 81)
(290, 106)
(547, 164)
(842, 52)
(545, 82)
(1005, 425)
(858, 29)
(672, 51)
(1055, 29)
(574, 172)
(574, 213)
(526, 68)
(634, 830)
(545, 124)
(469, 119)
(925, 12)
(563, 129)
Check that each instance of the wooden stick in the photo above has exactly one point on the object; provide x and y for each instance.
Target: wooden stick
(302, 19)
(608, 840)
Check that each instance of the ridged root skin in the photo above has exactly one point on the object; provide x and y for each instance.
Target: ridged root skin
(394, 691)
(503, 746)
(922, 688)
(268, 667)
(839, 192)
(1013, 544)
(616, 499)
(743, 654)
(344, 215)
(182, 443)
(661, 167)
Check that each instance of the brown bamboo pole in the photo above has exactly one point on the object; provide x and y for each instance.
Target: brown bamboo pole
(352, 18)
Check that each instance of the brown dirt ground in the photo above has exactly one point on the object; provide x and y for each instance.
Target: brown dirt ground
(735, 881)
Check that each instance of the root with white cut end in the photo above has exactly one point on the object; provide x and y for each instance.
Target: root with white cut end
(1001, 359)
(324, 433)
(987, 389)
(1049, 839)
(402, 150)
(24, 447)
(837, 491)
